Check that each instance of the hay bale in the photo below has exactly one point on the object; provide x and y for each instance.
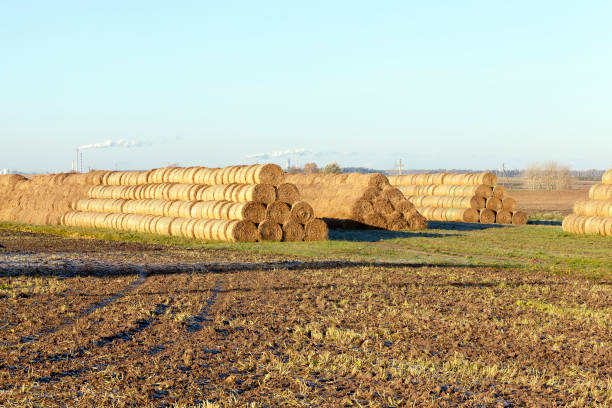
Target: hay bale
(599, 208)
(449, 214)
(301, 212)
(227, 210)
(316, 230)
(361, 198)
(499, 192)
(278, 212)
(287, 193)
(494, 204)
(446, 190)
(293, 231)
(580, 224)
(259, 193)
(503, 217)
(255, 174)
(269, 231)
(509, 204)
(519, 218)
(607, 177)
(486, 178)
(601, 192)
(475, 202)
(416, 222)
(487, 216)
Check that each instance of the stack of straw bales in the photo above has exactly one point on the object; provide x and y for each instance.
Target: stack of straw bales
(43, 199)
(354, 200)
(471, 197)
(594, 215)
(236, 203)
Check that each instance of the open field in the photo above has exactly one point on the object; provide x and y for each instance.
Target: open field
(460, 315)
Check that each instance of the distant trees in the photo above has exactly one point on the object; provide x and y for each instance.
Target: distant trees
(311, 168)
(332, 168)
(547, 176)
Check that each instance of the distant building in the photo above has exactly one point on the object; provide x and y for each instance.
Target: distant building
(6, 171)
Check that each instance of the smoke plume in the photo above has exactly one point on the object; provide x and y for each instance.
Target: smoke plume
(112, 143)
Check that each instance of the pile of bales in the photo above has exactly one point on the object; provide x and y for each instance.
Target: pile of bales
(593, 215)
(354, 200)
(236, 203)
(42, 199)
(471, 197)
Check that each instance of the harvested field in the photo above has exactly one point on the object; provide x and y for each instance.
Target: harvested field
(488, 317)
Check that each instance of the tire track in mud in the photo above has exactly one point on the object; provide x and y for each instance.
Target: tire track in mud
(193, 324)
(142, 277)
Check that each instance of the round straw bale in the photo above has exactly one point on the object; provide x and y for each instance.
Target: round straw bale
(370, 193)
(393, 194)
(601, 192)
(601, 208)
(503, 217)
(519, 218)
(487, 216)
(252, 211)
(301, 212)
(509, 204)
(360, 209)
(416, 222)
(499, 192)
(287, 193)
(316, 230)
(264, 174)
(607, 177)
(494, 204)
(293, 231)
(278, 212)
(162, 226)
(403, 206)
(375, 220)
(269, 231)
(382, 206)
(243, 231)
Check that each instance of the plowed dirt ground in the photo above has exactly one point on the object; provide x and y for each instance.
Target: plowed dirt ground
(455, 317)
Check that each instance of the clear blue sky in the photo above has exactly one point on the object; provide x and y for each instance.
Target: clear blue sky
(456, 84)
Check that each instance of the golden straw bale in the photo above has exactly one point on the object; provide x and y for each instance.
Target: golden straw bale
(356, 179)
(499, 192)
(278, 212)
(270, 231)
(449, 214)
(416, 221)
(316, 230)
(301, 212)
(486, 178)
(607, 177)
(601, 192)
(519, 218)
(487, 216)
(260, 193)
(509, 204)
(475, 202)
(503, 217)
(393, 194)
(494, 204)
(403, 206)
(600, 208)
(580, 224)
(382, 206)
(293, 231)
(375, 220)
(287, 193)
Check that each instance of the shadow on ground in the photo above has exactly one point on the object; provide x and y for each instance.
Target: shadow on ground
(374, 235)
(463, 226)
(544, 222)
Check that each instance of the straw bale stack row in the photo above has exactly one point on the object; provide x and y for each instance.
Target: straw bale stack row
(237, 203)
(470, 197)
(593, 215)
(355, 200)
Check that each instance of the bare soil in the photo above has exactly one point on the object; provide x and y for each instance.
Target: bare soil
(559, 202)
(90, 323)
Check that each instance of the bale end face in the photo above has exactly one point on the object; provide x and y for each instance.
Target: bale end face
(487, 216)
(293, 231)
(316, 230)
(302, 212)
(278, 212)
(416, 222)
(245, 231)
(519, 218)
(503, 217)
(287, 193)
(269, 231)
(271, 174)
